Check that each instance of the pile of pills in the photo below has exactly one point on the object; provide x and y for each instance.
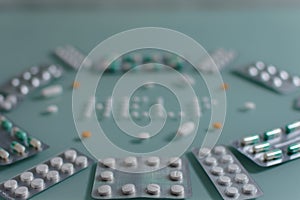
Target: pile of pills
(44, 175)
(272, 147)
(120, 178)
(15, 89)
(227, 174)
(270, 76)
(16, 144)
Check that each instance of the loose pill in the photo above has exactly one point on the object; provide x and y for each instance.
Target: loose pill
(52, 91)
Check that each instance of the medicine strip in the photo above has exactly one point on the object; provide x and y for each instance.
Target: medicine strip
(270, 77)
(17, 88)
(227, 174)
(16, 144)
(167, 178)
(44, 175)
(272, 147)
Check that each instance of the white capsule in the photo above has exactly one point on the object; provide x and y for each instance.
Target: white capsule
(24, 89)
(81, 161)
(264, 76)
(284, 75)
(241, 178)
(232, 192)
(70, 155)
(104, 190)
(252, 71)
(53, 176)
(177, 190)
(175, 162)
(210, 161)
(52, 91)
(153, 161)
(233, 168)
(56, 162)
(186, 129)
(130, 161)
(12, 99)
(153, 189)
(15, 82)
(4, 155)
(218, 171)
(203, 152)
(224, 180)
(226, 159)
(7, 106)
(128, 189)
(26, 177)
(107, 176)
(35, 82)
(296, 81)
(143, 136)
(42, 169)
(67, 168)
(272, 70)
(10, 185)
(277, 82)
(219, 150)
(249, 105)
(109, 162)
(52, 109)
(260, 65)
(22, 192)
(176, 175)
(37, 184)
(249, 189)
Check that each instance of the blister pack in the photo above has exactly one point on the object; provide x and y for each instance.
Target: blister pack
(220, 57)
(16, 144)
(270, 77)
(15, 89)
(72, 57)
(228, 175)
(44, 175)
(167, 178)
(272, 147)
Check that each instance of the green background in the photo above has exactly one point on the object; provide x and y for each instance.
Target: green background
(27, 37)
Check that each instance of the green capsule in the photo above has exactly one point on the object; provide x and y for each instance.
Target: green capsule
(17, 147)
(294, 148)
(34, 143)
(20, 135)
(292, 127)
(273, 155)
(250, 140)
(6, 125)
(114, 66)
(269, 135)
(262, 147)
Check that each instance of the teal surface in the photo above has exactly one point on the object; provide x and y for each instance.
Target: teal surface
(28, 36)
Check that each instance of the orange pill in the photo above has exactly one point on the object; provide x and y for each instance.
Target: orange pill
(76, 84)
(86, 134)
(224, 86)
(217, 125)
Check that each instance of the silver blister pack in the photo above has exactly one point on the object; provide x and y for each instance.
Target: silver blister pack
(45, 175)
(166, 178)
(72, 57)
(15, 89)
(272, 147)
(228, 175)
(217, 60)
(270, 77)
(16, 144)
